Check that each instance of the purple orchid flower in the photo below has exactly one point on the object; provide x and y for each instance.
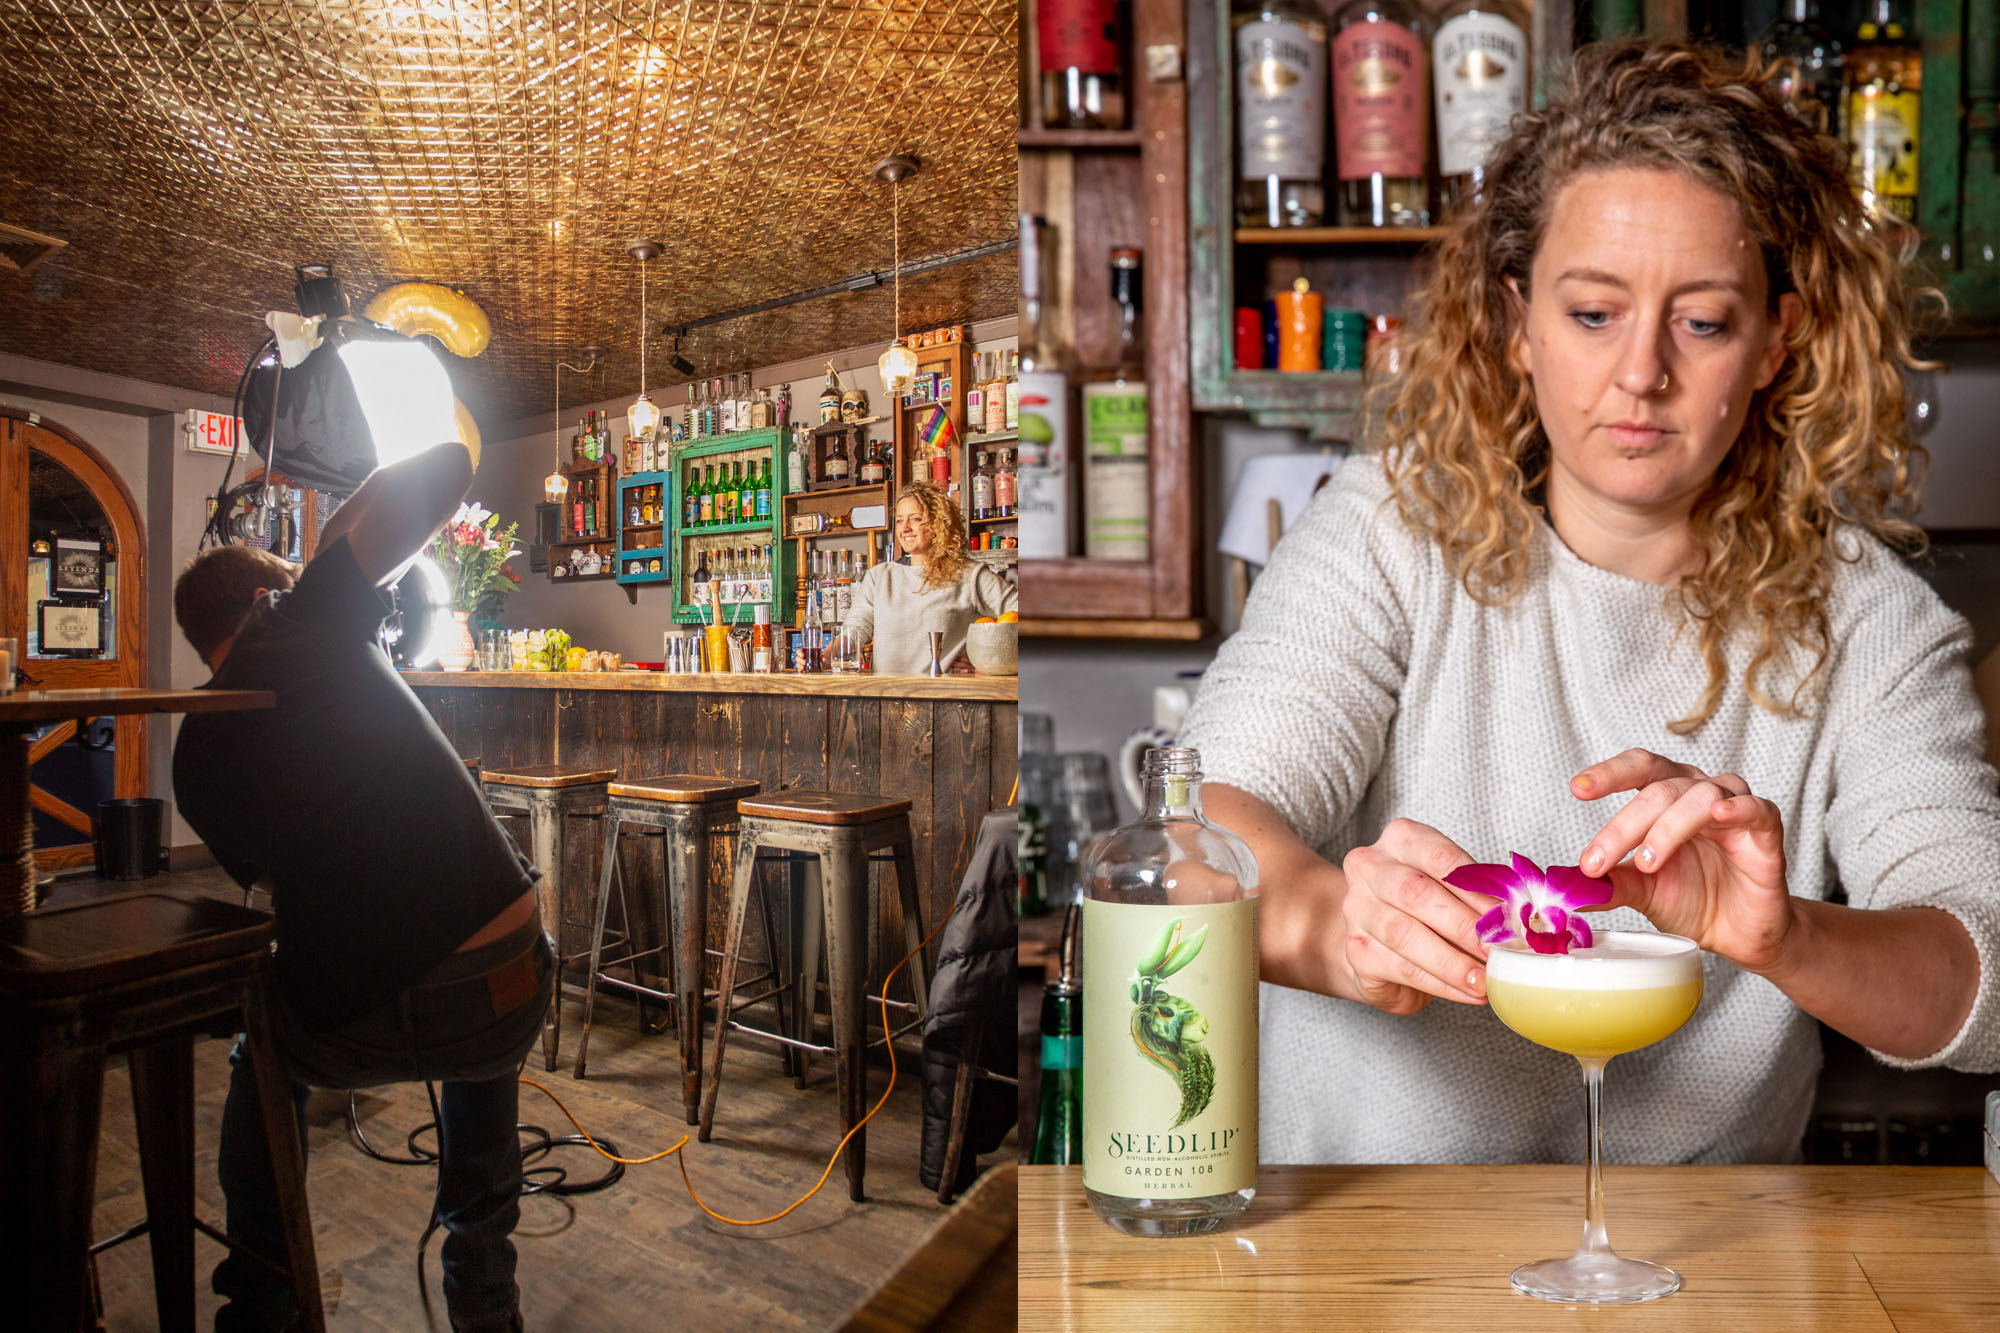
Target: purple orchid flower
(1542, 907)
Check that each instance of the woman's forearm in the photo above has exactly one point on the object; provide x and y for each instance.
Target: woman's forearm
(1898, 980)
(1299, 915)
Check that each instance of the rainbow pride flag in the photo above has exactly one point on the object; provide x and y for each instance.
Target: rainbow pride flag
(936, 430)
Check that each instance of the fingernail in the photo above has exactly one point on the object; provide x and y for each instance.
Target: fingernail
(1582, 783)
(1645, 856)
(1593, 861)
(1475, 981)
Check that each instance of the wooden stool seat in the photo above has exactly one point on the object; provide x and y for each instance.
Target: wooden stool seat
(683, 788)
(823, 807)
(544, 776)
(144, 974)
(472, 762)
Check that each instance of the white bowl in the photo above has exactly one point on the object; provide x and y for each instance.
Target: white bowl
(994, 650)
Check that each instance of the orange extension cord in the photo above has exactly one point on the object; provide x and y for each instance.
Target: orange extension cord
(831, 1161)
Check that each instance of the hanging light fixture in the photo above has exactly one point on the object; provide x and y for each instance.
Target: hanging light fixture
(642, 416)
(556, 486)
(898, 364)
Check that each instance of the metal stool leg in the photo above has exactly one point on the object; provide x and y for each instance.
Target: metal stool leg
(163, 1111)
(811, 906)
(782, 948)
(605, 875)
(846, 906)
(545, 829)
(687, 897)
(739, 899)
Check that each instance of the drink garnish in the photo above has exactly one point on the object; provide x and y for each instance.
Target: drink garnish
(1542, 907)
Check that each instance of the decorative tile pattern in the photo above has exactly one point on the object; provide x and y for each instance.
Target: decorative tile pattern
(192, 151)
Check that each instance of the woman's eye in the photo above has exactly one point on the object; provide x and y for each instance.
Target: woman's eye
(1591, 319)
(1707, 328)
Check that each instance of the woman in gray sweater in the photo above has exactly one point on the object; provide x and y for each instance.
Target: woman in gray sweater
(1621, 590)
(937, 586)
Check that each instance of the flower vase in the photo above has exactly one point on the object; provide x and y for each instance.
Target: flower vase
(457, 653)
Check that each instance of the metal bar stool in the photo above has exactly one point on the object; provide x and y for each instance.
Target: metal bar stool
(549, 795)
(686, 809)
(143, 973)
(831, 837)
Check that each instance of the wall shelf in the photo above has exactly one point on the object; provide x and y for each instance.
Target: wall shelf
(1155, 631)
(1404, 236)
(1129, 141)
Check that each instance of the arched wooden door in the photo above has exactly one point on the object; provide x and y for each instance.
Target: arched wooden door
(54, 486)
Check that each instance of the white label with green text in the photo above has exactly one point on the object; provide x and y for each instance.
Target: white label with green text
(1170, 1049)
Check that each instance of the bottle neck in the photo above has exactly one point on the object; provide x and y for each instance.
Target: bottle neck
(1173, 796)
(1801, 11)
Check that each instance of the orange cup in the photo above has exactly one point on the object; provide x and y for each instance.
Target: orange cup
(715, 645)
(1300, 312)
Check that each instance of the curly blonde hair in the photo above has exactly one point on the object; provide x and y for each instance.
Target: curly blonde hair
(1823, 445)
(947, 558)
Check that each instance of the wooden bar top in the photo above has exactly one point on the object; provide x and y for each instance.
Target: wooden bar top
(966, 689)
(1765, 1248)
(52, 705)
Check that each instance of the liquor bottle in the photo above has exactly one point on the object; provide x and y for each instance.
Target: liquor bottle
(1170, 1035)
(729, 406)
(975, 394)
(1043, 394)
(829, 397)
(795, 465)
(690, 418)
(1381, 110)
(699, 596)
(691, 500)
(766, 581)
(1012, 390)
(996, 395)
(837, 469)
(1281, 92)
(1479, 60)
(1884, 85)
(781, 410)
(576, 505)
(1059, 1122)
(705, 491)
(1808, 64)
(871, 465)
(1116, 478)
(1080, 43)
(1004, 488)
(725, 576)
(829, 603)
(941, 470)
(635, 508)
(843, 586)
(764, 489)
(576, 445)
(760, 410)
(982, 486)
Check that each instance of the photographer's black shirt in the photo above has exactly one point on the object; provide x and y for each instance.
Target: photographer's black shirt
(382, 856)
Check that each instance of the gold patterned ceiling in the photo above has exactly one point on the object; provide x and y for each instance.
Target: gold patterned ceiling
(191, 152)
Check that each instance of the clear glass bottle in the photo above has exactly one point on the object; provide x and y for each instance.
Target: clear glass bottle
(1170, 1034)
(1479, 69)
(1884, 72)
(982, 485)
(1079, 45)
(1117, 480)
(1381, 114)
(1005, 488)
(1038, 405)
(1809, 64)
(1281, 93)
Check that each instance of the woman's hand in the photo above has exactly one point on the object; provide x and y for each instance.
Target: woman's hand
(1708, 856)
(1409, 936)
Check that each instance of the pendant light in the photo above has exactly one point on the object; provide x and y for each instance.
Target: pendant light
(556, 486)
(642, 416)
(898, 363)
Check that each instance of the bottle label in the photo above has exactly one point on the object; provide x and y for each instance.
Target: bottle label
(1169, 1049)
(1062, 1052)
(1481, 64)
(1882, 126)
(1079, 34)
(1280, 100)
(1043, 465)
(1379, 101)
(1003, 489)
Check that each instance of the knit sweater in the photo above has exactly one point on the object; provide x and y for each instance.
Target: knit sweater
(892, 606)
(1366, 684)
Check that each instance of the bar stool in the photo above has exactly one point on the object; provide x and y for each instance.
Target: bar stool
(142, 973)
(550, 795)
(686, 808)
(831, 837)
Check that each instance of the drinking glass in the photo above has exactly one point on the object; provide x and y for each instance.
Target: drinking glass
(1038, 733)
(844, 657)
(1084, 811)
(1628, 990)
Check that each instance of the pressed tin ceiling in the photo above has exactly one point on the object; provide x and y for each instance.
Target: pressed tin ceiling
(192, 151)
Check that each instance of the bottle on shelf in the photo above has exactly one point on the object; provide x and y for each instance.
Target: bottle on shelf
(1011, 393)
(872, 465)
(1479, 64)
(635, 509)
(703, 495)
(1884, 72)
(982, 486)
(1807, 64)
(941, 470)
(729, 406)
(829, 602)
(1170, 1033)
(1281, 89)
(761, 656)
(764, 488)
(1004, 486)
(1381, 111)
(1080, 43)
(843, 588)
(1059, 1122)
(838, 471)
(698, 596)
(795, 464)
(996, 395)
(829, 397)
(975, 394)
(1116, 478)
(781, 407)
(1044, 423)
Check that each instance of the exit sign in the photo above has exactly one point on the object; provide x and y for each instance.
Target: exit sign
(211, 432)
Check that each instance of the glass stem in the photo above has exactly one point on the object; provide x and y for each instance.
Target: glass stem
(1595, 1242)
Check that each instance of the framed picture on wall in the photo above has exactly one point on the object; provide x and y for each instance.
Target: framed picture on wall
(78, 570)
(69, 629)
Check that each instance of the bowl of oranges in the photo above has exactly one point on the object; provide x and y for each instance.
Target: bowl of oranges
(993, 645)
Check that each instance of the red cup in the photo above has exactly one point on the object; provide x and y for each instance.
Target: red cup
(1249, 338)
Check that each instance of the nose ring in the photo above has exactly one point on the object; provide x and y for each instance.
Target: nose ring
(1665, 380)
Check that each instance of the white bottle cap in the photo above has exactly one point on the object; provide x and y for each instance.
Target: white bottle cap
(760, 614)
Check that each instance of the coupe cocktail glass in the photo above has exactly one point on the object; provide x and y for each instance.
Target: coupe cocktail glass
(1628, 990)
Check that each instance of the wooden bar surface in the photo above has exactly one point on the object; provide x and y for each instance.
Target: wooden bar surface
(1914, 1249)
(945, 745)
(987, 689)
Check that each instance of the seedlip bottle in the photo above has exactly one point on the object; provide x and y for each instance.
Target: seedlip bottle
(1170, 1030)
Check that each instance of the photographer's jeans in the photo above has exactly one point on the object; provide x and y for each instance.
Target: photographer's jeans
(443, 1029)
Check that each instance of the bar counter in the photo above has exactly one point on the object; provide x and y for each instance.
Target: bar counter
(1765, 1248)
(945, 744)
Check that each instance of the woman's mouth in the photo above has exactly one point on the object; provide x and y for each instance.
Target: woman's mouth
(1636, 434)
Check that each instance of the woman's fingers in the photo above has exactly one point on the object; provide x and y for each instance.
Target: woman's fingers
(1634, 769)
(1405, 928)
(1655, 824)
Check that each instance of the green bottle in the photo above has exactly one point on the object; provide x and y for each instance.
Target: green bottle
(1059, 1122)
(705, 488)
(764, 490)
